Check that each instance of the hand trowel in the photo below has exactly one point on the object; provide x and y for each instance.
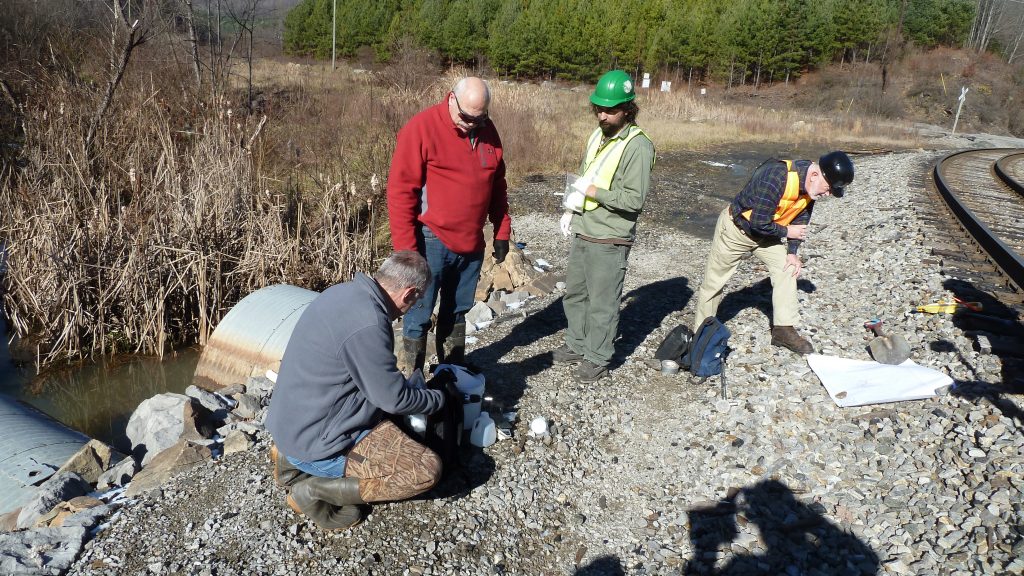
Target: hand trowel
(887, 349)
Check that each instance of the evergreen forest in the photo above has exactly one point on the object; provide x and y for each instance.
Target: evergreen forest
(740, 41)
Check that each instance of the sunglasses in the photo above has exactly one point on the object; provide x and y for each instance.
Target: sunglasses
(471, 120)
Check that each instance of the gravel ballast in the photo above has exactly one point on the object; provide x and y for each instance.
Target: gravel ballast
(646, 473)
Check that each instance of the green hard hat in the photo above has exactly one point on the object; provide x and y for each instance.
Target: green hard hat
(613, 89)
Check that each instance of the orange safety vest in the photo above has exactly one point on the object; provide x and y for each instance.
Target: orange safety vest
(792, 202)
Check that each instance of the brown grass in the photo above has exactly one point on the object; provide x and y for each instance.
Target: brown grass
(190, 203)
(181, 214)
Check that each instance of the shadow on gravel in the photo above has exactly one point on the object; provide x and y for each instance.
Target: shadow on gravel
(603, 566)
(757, 295)
(513, 375)
(1001, 326)
(475, 468)
(643, 312)
(795, 537)
(645, 309)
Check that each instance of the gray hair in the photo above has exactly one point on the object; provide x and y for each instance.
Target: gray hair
(460, 89)
(403, 269)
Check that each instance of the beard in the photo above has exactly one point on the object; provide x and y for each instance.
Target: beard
(609, 129)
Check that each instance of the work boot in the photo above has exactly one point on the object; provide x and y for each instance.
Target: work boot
(285, 473)
(589, 372)
(564, 355)
(414, 352)
(451, 344)
(332, 503)
(788, 337)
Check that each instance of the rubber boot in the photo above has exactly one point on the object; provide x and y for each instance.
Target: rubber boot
(285, 473)
(332, 503)
(414, 352)
(451, 344)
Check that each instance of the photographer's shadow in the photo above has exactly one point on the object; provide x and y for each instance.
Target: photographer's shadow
(791, 535)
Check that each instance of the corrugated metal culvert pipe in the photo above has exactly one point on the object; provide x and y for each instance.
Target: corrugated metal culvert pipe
(252, 336)
(32, 447)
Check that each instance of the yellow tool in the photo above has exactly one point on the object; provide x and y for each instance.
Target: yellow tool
(949, 307)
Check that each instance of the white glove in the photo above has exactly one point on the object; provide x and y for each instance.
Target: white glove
(574, 201)
(565, 223)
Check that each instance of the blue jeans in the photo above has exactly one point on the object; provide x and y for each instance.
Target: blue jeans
(333, 467)
(454, 277)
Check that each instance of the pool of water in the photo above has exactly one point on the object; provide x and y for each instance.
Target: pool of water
(689, 189)
(97, 398)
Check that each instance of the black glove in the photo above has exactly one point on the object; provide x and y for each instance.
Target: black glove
(453, 397)
(500, 250)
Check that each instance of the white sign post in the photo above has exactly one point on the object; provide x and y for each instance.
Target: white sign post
(666, 86)
(646, 82)
(963, 96)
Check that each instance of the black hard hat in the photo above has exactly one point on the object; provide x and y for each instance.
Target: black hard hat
(837, 169)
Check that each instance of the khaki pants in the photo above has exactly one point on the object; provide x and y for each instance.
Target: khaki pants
(728, 246)
(391, 465)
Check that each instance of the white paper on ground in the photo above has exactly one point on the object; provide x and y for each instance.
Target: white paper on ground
(856, 382)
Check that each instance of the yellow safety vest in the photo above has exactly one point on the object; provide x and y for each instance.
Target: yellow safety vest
(600, 162)
(792, 202)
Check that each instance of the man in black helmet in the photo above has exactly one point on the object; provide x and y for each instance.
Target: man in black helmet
(769, 217)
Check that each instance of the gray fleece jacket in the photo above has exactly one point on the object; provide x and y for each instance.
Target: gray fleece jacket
(338, 376)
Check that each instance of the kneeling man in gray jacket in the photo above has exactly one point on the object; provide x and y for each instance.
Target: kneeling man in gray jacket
(334, 447)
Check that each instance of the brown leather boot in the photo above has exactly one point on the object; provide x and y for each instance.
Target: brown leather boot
(285, 473)
(788, 337)
(332, 503)
(414, 352)
(451, 344)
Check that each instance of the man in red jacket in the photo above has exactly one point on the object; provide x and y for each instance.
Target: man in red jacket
(448, 176)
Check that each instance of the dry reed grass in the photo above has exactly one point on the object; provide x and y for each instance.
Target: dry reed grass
(189, 205)
(147, 245)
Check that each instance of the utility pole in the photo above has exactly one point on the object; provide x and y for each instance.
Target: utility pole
(334, 31)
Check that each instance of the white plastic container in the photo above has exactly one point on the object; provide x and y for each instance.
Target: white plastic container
(484, 432)
(472, 387)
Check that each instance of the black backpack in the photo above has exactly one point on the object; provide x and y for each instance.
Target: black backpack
(675, 345)
(443, 432)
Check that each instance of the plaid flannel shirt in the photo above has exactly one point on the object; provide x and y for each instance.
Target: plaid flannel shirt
(761, 196)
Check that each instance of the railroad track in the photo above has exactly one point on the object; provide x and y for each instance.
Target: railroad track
(978, 242)
(980, 188)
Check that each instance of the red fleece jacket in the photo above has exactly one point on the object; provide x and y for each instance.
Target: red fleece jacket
(440, 179)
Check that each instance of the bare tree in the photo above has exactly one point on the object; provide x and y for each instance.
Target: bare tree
(986, 23)
(125, 37)
(193, 39)
(244, 16)
(1016, 35)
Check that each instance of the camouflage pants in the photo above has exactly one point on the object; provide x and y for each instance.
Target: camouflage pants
(391, 465)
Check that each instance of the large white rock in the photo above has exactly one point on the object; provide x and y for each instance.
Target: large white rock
(156, 425)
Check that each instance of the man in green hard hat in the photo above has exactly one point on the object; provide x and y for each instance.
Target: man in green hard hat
(600, 214)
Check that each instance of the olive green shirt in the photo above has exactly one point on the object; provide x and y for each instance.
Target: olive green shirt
(619, 208)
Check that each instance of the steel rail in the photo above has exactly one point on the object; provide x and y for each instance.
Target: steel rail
(1011, 263)
(1004, 171)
